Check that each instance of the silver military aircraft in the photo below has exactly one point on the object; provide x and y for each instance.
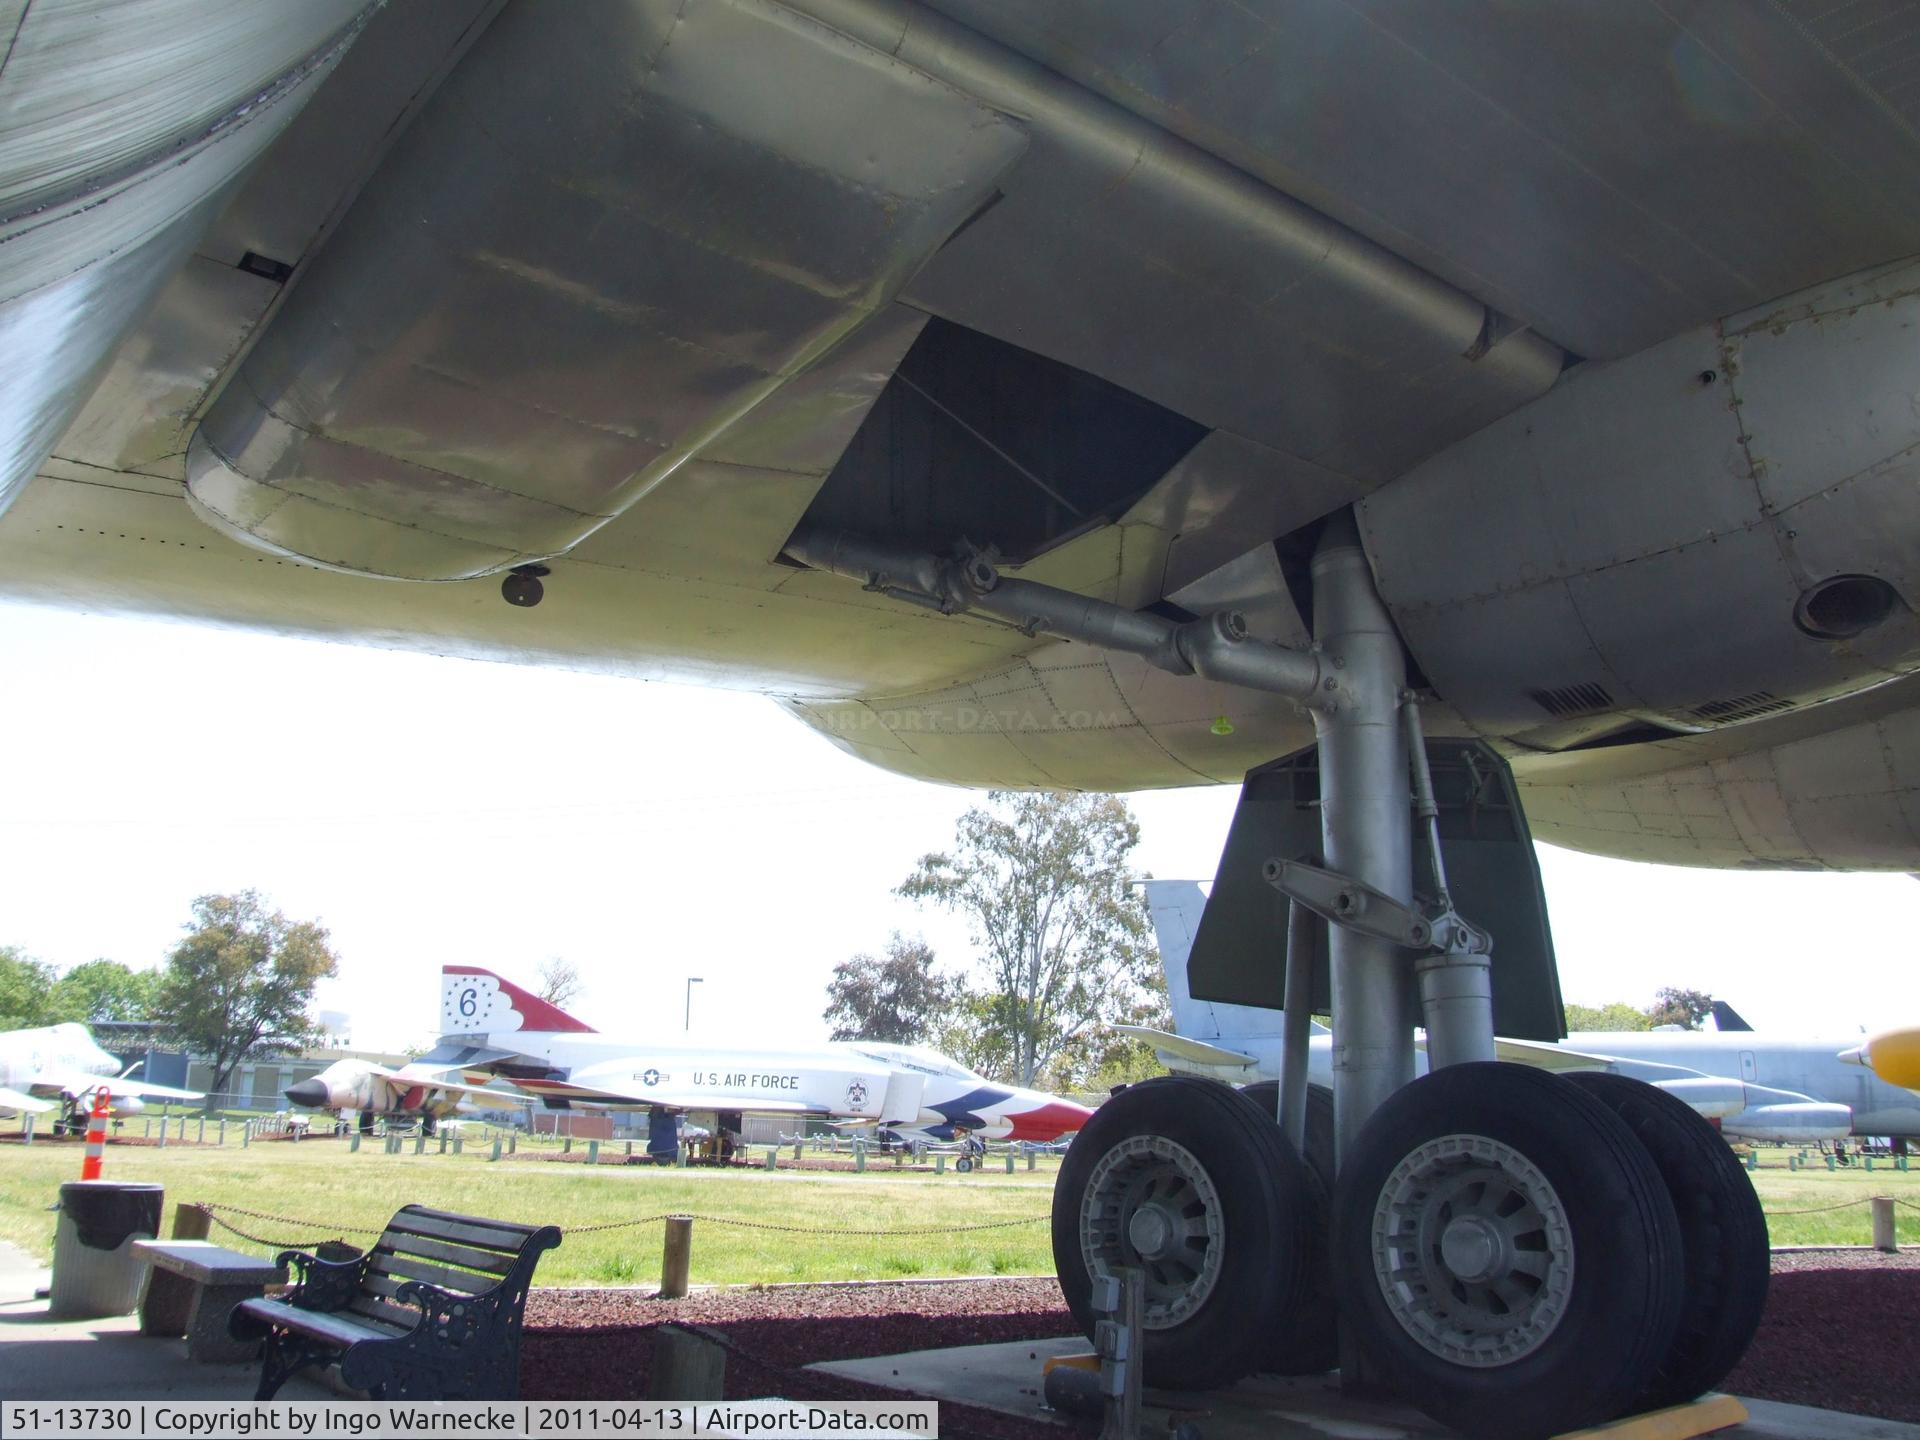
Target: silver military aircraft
(1462, 421)
(1753, 1086)
(47, 1067)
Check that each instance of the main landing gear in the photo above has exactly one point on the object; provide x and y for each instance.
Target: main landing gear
(1520, 1253)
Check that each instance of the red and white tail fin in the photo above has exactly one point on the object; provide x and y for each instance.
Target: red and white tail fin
(478, 1002)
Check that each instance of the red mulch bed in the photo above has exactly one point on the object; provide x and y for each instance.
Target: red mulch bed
(1841, 1331)
(598, 1344)
(1838, 1332)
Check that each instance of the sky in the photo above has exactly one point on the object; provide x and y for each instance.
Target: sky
(430, 811)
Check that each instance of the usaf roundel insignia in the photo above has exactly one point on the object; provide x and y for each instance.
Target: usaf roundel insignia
(651, 1077)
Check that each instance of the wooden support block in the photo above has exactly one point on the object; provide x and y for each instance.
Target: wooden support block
(1679, 1422)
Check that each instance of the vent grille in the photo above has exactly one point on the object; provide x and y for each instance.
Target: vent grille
(1569, 701)
(1741, 707)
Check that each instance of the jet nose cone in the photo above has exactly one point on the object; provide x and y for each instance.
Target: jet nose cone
(310, 1093)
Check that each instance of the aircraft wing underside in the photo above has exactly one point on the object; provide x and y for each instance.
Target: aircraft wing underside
(1134, 295)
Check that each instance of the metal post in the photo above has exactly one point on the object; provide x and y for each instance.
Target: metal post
(593, 1152)
(773, 1155)
(456, 1142)
(200, 1134)
(443, 1142)
(1365, 819)
(1030, 1158)
(1883, 1236)
(163, 1132)
(940, 1163)
(566, 1146)
(859, 1157)
(221, 1136)
(420, 1143)
(353, 1141)
(496, 1149)
(676, 1257)
(629, 1154)
(1296, 1026)
(26, 1128)
(1009, 1162)
(513, 1142)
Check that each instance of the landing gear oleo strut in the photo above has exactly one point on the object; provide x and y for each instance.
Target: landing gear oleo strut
(1521, 1253)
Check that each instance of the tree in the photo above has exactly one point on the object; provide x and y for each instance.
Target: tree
(26, 990)
(106, 990)
(241, 982)
(559, 981)
(1617, 1016)
(1062, 932)
(1686, 1008)
(899, 999)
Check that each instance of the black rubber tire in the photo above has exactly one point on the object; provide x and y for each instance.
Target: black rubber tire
(1620, 1317)
(1266, 1213)
(1306, 1340)
(1722, 1230)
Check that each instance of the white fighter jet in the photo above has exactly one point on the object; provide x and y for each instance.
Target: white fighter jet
(52, 1066)
(494, 1029)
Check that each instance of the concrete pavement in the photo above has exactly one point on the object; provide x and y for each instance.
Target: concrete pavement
(1007, 1378)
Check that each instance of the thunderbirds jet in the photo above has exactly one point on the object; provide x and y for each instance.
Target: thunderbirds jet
(491, 1027)
(1454, 422)
(58, 1065)
(1753, 1086)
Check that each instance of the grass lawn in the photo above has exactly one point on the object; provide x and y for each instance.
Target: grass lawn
(340, 1193)
(319, 1181)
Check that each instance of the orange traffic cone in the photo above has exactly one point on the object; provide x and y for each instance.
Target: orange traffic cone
(96, 1135)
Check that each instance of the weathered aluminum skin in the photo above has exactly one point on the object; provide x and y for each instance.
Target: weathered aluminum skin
(119, 144)
(552, 295)
(1608, 173)
(1651, 524)
(1319, 233)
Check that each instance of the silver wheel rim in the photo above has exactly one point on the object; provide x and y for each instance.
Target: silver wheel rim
(1473, 1251)
(1150, 1205)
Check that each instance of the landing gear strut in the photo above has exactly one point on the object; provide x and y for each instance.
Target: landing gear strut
(1509, 1248)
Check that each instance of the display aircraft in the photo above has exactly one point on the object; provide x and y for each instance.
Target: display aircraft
(58, 1066)
(491, 1027)
(1754, 1086)
(1464, 422)
(412, 1091)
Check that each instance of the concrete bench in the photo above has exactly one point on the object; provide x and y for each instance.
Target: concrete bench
(192, 1290)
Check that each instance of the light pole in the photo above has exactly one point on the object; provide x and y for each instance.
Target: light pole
(692, 980)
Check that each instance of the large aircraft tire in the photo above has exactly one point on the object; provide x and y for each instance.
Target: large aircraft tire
(1306, 1340)
(1722, 1229)
(1186, 1180)
(1507, 1252)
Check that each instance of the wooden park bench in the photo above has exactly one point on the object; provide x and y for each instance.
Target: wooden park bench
(431, 1312)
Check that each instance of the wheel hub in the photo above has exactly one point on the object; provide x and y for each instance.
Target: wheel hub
(1150, 1205)
(1473, 1250)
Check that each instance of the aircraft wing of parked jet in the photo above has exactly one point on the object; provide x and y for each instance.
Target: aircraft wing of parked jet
(494, 1028)
(1755, 1086)
(47, 1065)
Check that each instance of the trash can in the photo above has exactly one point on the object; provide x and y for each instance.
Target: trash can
(94, 1270)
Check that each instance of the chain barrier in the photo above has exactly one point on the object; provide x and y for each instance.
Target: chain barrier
(1821, 1209)
(212, 1212)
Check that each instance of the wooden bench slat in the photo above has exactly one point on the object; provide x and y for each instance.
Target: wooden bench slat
(368, 1306)
(395, 1269)
(488, 1260)
(331, 1326)
(488, 1236)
